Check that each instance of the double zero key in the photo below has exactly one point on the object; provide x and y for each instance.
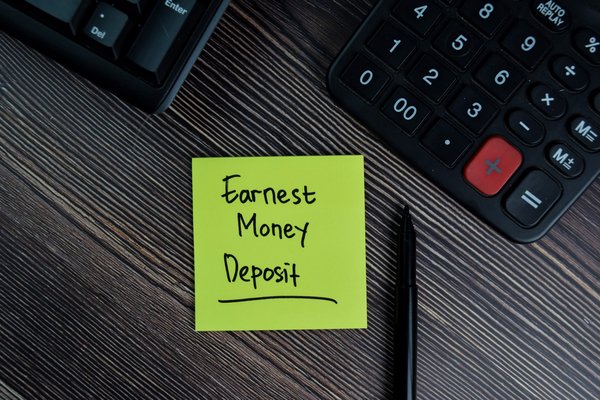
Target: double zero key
(405, 110)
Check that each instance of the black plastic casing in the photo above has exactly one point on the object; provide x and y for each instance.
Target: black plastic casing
(585, 14)
(124, 80)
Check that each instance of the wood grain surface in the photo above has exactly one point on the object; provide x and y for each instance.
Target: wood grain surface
(96, 258)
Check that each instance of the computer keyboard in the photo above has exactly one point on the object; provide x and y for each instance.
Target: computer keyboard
(141, 50)
(496, 101)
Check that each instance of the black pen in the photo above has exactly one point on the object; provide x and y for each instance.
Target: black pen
(405, 337)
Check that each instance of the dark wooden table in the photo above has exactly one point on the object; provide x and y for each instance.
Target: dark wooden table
(96, 258)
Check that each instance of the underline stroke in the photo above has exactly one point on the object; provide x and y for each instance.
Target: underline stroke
(278, 297)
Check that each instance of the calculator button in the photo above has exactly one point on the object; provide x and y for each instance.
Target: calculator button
(525, 127)
(419, 15)
(569, 73)
(499, 77)
(364, 77)
(565, 160)
(552, 14)
(473, 109)
(405, 110)
(527, 45)
(493, 165)
(445, 142)
(431, 77)
(586, 132)
(548, 101)
(596, 102)
(587, 42)
(458, 44)
(391, 45)
(485, 15)
(532, 198)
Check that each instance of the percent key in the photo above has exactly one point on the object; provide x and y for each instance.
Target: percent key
(587, 43)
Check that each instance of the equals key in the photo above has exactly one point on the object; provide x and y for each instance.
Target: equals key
(158, 35)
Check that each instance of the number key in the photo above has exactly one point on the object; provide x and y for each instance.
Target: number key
(525, 44)
(499, 77)
(405, 110)
(473, 109)
(432, 77)
(391, 44)
(364, 77)
(458, 44)
(419, 15)
(485, 15)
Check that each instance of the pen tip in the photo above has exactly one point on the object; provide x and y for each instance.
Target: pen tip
(406, 212)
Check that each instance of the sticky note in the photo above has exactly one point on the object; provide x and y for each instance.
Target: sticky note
(279, 243)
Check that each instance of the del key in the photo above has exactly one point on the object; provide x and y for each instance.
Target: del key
(159, 33)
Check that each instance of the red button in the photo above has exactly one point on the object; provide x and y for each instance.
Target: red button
(493, 165)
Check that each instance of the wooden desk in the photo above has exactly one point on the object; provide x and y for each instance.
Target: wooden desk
(96, 261)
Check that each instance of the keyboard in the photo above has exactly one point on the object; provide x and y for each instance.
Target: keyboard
(495, 101)
(141, 50)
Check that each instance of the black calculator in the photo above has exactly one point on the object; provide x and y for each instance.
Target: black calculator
(496, 101)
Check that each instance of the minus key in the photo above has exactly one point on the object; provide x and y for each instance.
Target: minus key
(524, 126)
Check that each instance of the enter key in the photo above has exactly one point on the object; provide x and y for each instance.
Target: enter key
(150, 49)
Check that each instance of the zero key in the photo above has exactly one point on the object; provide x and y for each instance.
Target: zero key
(365, 77)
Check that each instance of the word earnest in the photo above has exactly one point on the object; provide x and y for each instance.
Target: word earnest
(268, 195)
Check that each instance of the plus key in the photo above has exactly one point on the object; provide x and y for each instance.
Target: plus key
(492, 166)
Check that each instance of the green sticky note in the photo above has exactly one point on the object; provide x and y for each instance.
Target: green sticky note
(279, 243)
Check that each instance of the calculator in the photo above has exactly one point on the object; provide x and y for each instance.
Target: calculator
(496, 101)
